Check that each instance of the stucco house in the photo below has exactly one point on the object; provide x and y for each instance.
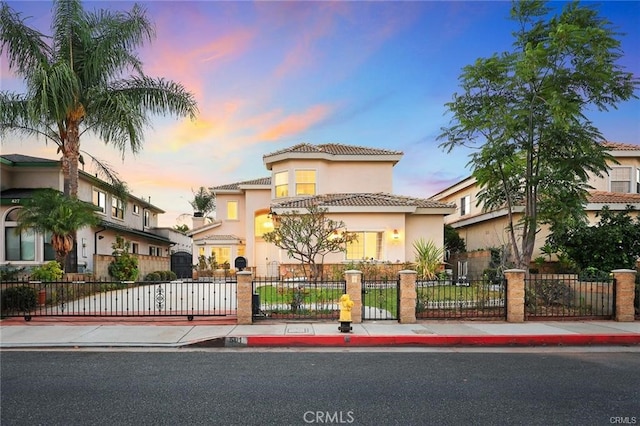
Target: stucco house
(353, 183)
(133, 218)
(484, 229)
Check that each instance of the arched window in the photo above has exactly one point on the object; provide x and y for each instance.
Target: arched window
(262, 223)
(21, 246)
(18, 245)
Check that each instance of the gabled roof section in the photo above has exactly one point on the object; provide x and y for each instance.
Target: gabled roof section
(617, 146)
(366, 202)
(246, 184)
(332, 152)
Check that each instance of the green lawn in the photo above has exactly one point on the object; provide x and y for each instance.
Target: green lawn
(272, 295)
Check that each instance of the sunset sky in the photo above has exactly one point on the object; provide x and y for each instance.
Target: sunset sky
(268, 75)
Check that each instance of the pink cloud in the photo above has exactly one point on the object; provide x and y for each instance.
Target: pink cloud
(296, 123)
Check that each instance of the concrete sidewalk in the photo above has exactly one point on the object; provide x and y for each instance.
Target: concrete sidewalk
(16, 334)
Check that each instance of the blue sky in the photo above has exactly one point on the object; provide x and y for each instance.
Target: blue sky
(268, 75)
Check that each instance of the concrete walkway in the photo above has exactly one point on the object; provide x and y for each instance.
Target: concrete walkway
(55, 333)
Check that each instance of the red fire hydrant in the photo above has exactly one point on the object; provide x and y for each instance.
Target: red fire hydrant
(345, 313)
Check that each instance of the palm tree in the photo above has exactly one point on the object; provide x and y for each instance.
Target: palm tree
(77, 81)
(53, 212)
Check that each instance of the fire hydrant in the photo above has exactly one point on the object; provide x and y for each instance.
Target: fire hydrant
(345, 313)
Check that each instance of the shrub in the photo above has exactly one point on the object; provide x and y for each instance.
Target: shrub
(553, 292)
(20, 298)
(50, 271)
(9, 272)
(171, 275)
(592, 274)
(152, 276)
(124, 266)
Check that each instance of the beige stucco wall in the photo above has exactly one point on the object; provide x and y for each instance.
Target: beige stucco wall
(339, 177)
(602, 183)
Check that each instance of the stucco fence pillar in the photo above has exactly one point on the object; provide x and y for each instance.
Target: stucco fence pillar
(244, 294)
(408, 296)
(353, 279)
(625, 282)
(515, 295)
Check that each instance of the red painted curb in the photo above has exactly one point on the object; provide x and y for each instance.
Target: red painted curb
(441, 341)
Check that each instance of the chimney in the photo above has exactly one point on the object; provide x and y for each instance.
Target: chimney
(198, 220)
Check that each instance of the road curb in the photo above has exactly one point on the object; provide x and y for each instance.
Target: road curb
(435, 341)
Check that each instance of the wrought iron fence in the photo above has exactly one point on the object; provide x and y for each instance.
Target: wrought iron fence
(212, 297)
(380, 299)
(461, 298)
(566, 296)
(296, 298)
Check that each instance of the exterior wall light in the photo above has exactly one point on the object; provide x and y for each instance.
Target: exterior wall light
(396, 235)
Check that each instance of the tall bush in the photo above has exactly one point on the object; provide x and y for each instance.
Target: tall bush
(124, 266)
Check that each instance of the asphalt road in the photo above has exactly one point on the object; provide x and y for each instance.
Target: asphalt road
(369, 388)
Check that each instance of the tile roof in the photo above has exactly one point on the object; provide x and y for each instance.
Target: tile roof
(616, 146)
(334, 149)
(236, 185)
(378, 199)
(603, 197)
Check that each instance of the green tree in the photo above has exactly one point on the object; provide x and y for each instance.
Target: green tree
(613, 243)
(204, 202)
(453, 243)
(528, 108)
(77, 81)
(51, 211)
(309, 236)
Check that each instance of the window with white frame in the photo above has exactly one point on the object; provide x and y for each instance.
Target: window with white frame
(135, 248)
(136, 209)
(232, 210)
(221, 254)
(146, 218)
(281, 184)
(100, 199)
(465, 205)
(368, 245)
(117, 208)
(620, 178)
(305, 182)
(155, 251)
(18, 245)
(638, 181)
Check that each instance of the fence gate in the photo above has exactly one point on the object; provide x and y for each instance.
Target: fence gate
(215, 297)
(380, 299)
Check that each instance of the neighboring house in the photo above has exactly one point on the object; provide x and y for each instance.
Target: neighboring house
(134, 219)
(353, 183)
(485, 229)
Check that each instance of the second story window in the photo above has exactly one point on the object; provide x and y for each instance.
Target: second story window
(100, 199)
(232, 210)
(620, 179)
(465, 205)
(136, 209)
(281, 184)
(135, 248)
(305, 182)
(147, 219)
(117, 208)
